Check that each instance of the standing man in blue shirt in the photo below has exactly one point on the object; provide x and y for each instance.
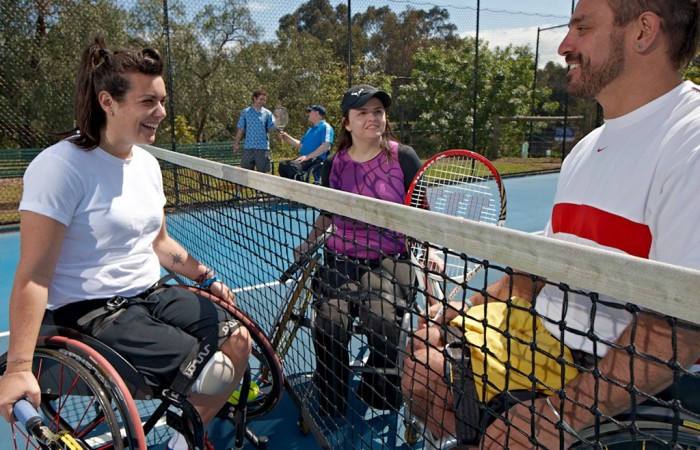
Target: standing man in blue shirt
(255, 121)
(313, 146)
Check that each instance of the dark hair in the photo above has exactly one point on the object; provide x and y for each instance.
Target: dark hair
(346, 138)
(104, 70)
(258, 93)
(679, 21)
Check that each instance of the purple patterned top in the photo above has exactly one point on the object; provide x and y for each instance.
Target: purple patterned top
(377, 178)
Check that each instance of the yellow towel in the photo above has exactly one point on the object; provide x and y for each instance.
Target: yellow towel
(491, 349)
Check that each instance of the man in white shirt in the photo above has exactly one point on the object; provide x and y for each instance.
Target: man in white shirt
(630, 186)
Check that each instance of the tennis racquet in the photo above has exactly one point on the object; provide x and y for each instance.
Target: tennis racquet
(459, 183)
(292, 317)
(37, 429)
(281, 117)
(293, 314)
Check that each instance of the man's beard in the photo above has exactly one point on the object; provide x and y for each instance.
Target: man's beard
(593, 79)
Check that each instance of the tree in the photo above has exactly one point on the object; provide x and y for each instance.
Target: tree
(442, 89)
(392, 37)
(692, 73)
(204, 49)
(317, 18)
(41, 41)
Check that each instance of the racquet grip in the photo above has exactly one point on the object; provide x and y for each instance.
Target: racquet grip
(302, 261)
(296, 265)
(30, 419)
(305, 257)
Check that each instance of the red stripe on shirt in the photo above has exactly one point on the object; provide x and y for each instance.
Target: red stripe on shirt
(602, 227)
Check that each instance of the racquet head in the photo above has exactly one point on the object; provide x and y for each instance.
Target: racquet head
(460, 183)
(281, 117)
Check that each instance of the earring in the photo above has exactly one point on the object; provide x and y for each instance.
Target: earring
(640, 46)
(111, 111)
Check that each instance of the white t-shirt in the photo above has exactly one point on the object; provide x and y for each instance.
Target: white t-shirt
(631, 186)
(113, 210)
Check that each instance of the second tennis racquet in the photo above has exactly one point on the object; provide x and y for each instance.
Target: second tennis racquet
(281, 117)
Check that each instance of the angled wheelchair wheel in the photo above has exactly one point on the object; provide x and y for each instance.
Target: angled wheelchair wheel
(82, 395)
(267, 378)
(650, 436)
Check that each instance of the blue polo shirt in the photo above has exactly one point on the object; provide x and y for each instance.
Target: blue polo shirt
(315, 136)
(256, 125)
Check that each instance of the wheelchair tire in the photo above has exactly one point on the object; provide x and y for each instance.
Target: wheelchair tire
(651, 436)
(81, 395)
(265, 367)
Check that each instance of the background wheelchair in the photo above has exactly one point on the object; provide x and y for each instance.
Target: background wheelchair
(294, 171)
(91, 392)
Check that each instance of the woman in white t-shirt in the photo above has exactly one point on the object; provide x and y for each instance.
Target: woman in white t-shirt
(93, 228)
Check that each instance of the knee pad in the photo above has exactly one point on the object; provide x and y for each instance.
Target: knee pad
(216, 376)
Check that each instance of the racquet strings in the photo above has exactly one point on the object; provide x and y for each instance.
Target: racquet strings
(281, 117)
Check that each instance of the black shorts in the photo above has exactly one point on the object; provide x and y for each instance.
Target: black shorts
(155, 334)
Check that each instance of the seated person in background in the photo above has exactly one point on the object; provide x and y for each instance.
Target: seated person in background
(369, 162)
(651, 131)
(314, 145)
(93, 229)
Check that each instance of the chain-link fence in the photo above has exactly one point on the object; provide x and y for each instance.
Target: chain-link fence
(448, 92)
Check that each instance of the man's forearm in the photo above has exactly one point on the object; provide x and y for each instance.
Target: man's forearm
(520, 284)
(650, 336)
(320, 150)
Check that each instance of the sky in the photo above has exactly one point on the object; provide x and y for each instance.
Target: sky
(502, 22)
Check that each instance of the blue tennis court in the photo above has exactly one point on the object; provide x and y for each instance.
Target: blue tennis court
(529, 204)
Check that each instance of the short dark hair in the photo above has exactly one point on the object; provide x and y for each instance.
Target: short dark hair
(258, 93)
(104, 70)
(679, 21)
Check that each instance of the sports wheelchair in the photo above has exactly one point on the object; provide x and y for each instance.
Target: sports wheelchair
(348, 423)
(95, 395)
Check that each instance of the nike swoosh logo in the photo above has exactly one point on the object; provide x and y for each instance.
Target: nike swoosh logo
(600, 149)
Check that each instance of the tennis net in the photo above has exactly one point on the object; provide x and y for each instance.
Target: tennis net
(247, 225)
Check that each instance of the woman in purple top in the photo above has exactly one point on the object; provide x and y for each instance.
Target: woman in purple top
(370, 162)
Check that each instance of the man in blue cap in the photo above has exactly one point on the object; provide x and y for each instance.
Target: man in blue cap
(313, 146)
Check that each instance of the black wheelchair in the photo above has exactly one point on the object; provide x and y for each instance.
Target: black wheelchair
(95, 395)
(301, 171)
